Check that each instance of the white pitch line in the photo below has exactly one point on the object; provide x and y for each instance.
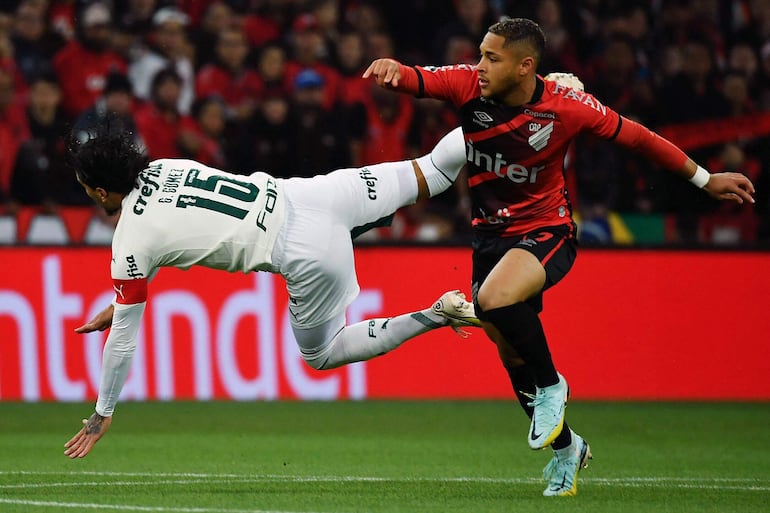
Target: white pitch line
(712, 483)
(358, 478)
(22, 486)
(130, 507)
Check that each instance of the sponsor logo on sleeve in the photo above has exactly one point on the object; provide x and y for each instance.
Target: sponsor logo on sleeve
(133, 268)
(371, 183)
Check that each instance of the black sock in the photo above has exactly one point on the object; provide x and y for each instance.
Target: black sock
(520, 326)
(564, 438)
(524, 386)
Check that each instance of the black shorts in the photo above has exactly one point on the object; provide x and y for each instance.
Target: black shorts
(555, 247)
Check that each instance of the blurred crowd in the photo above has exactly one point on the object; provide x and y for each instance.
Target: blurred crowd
(276, 85)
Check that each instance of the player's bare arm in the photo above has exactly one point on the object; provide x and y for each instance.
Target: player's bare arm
(386, 72)
(93, 429)
(100, 322)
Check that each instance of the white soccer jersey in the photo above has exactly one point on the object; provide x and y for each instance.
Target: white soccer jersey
(184, 213)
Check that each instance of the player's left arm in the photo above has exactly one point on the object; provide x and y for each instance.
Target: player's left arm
(723, 186)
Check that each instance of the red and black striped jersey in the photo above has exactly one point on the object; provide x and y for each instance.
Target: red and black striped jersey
(516, 154)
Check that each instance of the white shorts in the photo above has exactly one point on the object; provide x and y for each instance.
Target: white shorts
(314, 251)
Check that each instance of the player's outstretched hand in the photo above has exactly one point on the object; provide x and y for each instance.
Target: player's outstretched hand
(386, 72)
(93, 429)
(730, 186)
(100, 322)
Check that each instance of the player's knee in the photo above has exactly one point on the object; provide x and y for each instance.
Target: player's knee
(486, 302)
(317, 361)
(326, 358)
(490, 299)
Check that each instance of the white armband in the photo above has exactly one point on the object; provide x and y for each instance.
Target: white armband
(700, 178)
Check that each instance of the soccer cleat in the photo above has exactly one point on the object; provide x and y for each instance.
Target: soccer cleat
(562, 475)
(458, 312)
(548, 417)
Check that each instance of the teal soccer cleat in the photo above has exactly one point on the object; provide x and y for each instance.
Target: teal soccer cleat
(562, 474)
(548, 417)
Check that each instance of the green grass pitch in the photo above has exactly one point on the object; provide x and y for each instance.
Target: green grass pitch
(381, 456)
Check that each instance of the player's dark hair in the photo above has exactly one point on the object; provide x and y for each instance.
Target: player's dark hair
(107, 158)
(521, 30)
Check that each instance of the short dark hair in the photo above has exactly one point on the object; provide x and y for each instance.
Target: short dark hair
(516, 30)
(107, 158)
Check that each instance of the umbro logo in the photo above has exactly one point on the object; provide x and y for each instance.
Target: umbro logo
(539, 139)
(482, 116)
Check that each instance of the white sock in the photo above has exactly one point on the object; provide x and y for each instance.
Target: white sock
(442, 165)
(373, 337)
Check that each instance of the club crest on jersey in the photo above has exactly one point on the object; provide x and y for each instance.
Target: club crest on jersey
(540, 138)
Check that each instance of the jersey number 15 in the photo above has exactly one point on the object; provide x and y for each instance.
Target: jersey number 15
(224, 186)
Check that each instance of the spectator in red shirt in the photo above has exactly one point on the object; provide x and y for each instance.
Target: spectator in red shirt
(14, 130)
(82, 66)
(166, 132)
(210, 120)
(271, 66)
(260, 28)
(351, 50)
(380, 127)
(726, 223)
(229, 78)
(309, 51)
(8, 64)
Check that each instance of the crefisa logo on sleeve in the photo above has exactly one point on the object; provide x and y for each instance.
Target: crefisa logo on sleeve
(133, 269)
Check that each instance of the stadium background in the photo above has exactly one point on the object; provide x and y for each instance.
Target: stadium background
(275, 85)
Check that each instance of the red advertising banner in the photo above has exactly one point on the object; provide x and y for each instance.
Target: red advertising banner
(623, 325)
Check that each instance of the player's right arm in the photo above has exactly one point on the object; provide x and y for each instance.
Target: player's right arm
(116, 362)
(457, 84)
(130, 277)
(100, 322)
(103, 319)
